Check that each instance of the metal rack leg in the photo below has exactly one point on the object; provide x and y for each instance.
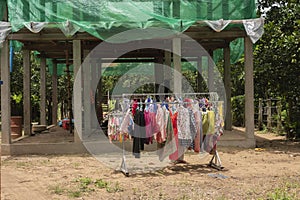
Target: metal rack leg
(215, 161)
(124, 169)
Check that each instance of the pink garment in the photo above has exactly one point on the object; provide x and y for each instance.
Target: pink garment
(126, 122)
(150, 123)
(160, 124)
(147, 124)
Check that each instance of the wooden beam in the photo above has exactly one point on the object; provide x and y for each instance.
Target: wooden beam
(227, 84)
(93, 102)
(177, 65)
(50, 37)
(159, 74)
(51, 46)
(249, 91)
(5, 95)
(211, 77)
(136, 60)
(43, 92)
(133, 60)
(195, 32)
(27, 93)
(77, 55)
(99, 94)
(199, 74)
(211, 34)
(168, 70)
(86, 72)
(54, 94)
(56, 50)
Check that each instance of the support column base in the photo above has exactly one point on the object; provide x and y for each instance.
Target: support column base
(76, 137)
(5, 150)
(251, 143)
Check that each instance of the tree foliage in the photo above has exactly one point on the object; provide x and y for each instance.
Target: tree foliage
(277, 60)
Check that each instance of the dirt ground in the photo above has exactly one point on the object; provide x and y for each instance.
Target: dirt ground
(271, 171)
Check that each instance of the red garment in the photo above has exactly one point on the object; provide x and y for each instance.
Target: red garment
(174, 156)
(134, 106)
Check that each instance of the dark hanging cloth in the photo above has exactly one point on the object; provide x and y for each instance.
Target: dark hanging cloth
(139, 133)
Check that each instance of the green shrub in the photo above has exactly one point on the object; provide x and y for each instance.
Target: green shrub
(238, 110)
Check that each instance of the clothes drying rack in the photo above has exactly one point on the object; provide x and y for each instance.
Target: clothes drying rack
(215, 161)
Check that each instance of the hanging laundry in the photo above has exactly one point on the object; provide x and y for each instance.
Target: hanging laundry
(113, 130)
(139, 133)
(160, 124)
(169, 146)
(174, 156)
(183, 127)
(198, 120)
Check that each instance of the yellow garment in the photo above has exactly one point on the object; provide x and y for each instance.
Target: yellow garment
(211, 120)
(220, 108)
(208, 123)
(111, 105)
(205, 123)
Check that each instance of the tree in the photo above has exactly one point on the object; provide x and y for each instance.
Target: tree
(277, 58)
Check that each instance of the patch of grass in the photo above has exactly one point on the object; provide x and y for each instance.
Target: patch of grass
(57, 189)
(115, 188)
(75, 194)
(281, 194)
(85, 181)
(85, 184)
(21, 164)
(99, 183)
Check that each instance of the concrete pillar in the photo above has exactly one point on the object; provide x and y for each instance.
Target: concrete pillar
(177, 65)
(94, 83)
(78, 95)
(87, 88)
(249, 92)
(54, 93)
(99, 98)
(26, 91)
(199, 74)
(5, 95)
(43, 92)
(227, 84)
(211, 72)
(168, 71)
(159, 75)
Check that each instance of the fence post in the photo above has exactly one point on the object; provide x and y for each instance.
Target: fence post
(278, 107)
(260, 114)
(269, 114)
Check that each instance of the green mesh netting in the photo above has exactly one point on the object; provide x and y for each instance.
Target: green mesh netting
(101, 18)
(104, 18)
(61, 67)
(2, 8)
(236, 51)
